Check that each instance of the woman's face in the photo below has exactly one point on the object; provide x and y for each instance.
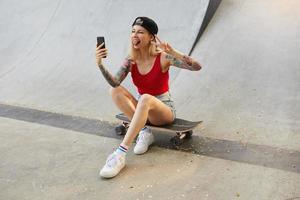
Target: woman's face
(140, 37)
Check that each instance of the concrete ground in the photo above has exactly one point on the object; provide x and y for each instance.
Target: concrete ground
(43, 162)
(57, 119)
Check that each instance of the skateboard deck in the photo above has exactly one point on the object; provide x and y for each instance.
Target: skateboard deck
(182, 128)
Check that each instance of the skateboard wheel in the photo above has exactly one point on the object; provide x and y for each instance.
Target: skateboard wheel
(121, 129)
(188, 134)
(176, 141)
(185, 135)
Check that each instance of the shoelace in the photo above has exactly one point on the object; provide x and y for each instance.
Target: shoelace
(112, 160)
(142, 137)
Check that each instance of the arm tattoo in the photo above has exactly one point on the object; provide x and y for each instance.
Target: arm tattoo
(185, 63)
(116, 80)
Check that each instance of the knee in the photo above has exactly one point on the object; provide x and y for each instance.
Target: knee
(145, 100)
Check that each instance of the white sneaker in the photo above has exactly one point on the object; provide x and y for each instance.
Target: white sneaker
(114, 163)
(144, 140)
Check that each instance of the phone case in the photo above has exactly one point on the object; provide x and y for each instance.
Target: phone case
(101, 40)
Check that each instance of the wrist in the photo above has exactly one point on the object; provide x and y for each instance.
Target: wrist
(100, 64)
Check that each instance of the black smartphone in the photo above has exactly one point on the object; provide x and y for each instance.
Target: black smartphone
(101, 40)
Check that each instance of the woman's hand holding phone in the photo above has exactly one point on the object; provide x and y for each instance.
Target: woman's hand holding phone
(101, 51)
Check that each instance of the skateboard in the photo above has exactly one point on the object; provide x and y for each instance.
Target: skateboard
(182, 128)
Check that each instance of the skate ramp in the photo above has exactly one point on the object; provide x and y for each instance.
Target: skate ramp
(248, 89)
(247, 94)
(249, 86)
(47, 49)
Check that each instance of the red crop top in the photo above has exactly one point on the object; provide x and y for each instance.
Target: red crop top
(155, 82)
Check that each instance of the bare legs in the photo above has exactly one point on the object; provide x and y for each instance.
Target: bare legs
(124, 100)
(147, 108)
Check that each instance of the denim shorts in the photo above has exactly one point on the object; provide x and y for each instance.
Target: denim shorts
(167, 100)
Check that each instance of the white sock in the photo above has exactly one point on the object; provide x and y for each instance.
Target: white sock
(122, 149)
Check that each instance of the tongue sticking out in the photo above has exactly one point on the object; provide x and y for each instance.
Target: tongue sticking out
(136, 42)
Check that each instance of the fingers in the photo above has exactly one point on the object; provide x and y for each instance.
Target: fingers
(100, 46)
(161, 43)
(101, 53)
(157, 38)
(168, 46)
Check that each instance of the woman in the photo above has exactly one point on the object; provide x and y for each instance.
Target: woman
(149, 62)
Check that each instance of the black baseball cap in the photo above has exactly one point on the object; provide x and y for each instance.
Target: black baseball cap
(147, 23)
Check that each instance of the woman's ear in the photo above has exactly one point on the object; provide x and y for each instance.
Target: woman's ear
(152, 38)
